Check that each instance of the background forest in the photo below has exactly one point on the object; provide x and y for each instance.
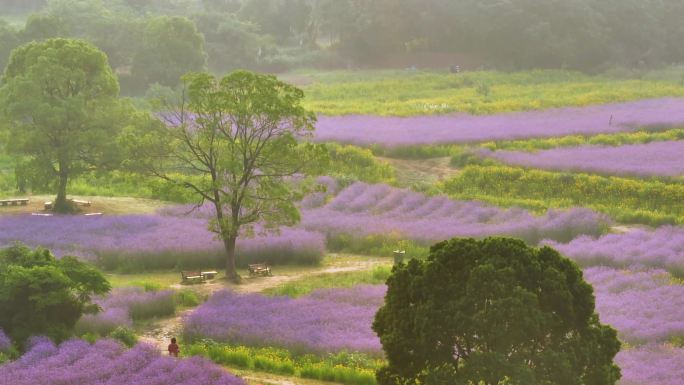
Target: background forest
(278, 35)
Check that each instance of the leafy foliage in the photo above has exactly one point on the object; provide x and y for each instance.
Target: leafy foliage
(491, 309)
(60, 97)
(171, 47)
(240, 135)
(355, 163)
(41, 295)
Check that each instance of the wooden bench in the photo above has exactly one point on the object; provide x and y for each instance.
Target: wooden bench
(14, 202)
(259, 269)
(192, 277)
(197, 276)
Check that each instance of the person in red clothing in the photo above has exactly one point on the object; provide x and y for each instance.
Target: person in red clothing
(173, 348)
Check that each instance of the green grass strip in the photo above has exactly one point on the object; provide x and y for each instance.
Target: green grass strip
(644, 201)
(402, 93)
(345, 368)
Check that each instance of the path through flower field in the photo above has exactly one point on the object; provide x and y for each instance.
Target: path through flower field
(159, 332)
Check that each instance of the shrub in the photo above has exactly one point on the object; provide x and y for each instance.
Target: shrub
(104, 322)
(345, 368)
(125, 335)
(187, 298)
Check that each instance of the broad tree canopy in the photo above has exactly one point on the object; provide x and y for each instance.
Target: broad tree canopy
(59, 97)
(490, 310)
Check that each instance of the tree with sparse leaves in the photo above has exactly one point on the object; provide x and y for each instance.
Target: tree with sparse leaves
(234, 143)
(493, 310)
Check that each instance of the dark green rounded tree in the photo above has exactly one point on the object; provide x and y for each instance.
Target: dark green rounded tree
(42, 295)
(486, 310)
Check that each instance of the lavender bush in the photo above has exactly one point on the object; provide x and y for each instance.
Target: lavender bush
(395, 132)
(136, 242)
(140, 304)
(661, 248)
(179, 238)
(325, 321)
(363, 209)
(106, 362)
(104, 322)
(650, 159)
(123, 305)
(644, 306)
(651, 364)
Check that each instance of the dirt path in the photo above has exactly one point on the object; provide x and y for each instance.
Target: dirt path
(622, 229)
(161, 331)
(421, 171)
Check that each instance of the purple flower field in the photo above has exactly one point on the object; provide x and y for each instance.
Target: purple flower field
(651, 364)
(148, 237)
(168, 239)
(362, 209)
(644, 306)
(325, 321)
(106, 362)
(123, 305)
(104, 322)
(591, 120)
(5, 343)
(650, 159)
(660, 248)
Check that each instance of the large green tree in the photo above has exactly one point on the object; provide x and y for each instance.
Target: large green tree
(231, 43)
(42, 295)
(233, 142)
(170, 47)
(59, 97)
(493, 309)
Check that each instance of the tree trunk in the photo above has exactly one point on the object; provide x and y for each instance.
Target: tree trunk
(61, 204)
(231, 272)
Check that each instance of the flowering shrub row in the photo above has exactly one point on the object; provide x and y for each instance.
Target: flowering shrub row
(106, 362)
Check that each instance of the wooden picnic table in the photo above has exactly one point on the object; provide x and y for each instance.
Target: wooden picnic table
(197, 276)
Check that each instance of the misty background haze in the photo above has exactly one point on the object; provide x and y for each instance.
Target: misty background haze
(156, 41)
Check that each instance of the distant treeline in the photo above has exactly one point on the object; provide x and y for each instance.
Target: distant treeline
(276, 35)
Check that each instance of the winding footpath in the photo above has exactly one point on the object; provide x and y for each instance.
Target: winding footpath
(161, 331)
